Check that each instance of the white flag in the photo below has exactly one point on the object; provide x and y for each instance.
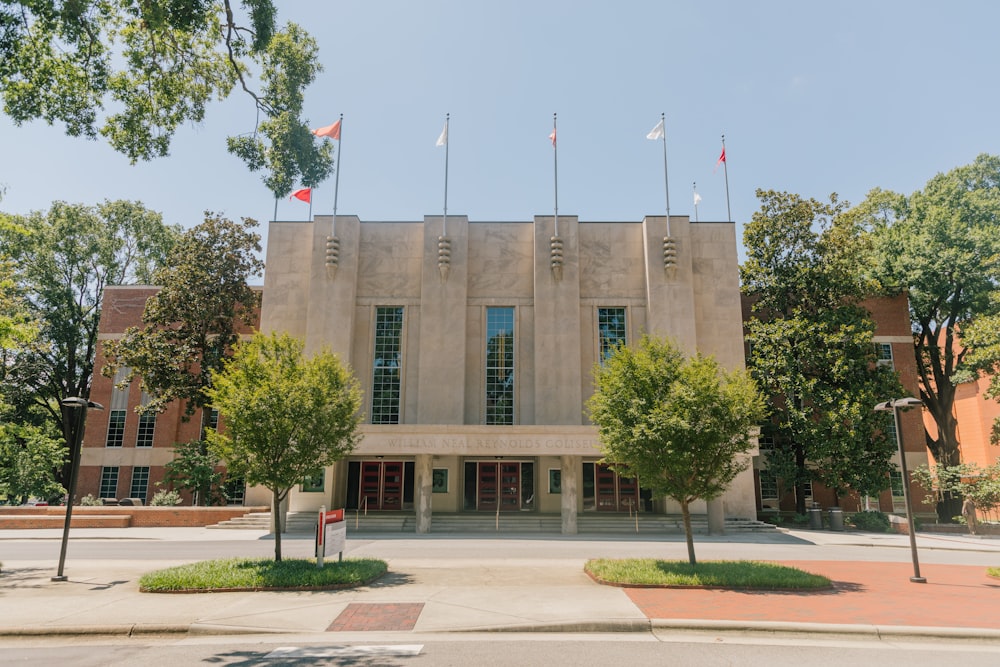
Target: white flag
(697, 199)
(443, 139)
(656, 132)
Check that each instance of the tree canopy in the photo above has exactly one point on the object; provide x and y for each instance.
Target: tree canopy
(681, 426)
(284, 416)
(133, 72)
(191, 324)
(63, 258)
(941, 245)
(812, 349)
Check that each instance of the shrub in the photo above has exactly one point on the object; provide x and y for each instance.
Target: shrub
(90, 501)
(164, 497)
(873, 521)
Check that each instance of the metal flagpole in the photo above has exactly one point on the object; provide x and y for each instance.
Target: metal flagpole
(697, 199)
(666, 185)
(555, 171)
(444, 223)
(725, 168)
(336, 181)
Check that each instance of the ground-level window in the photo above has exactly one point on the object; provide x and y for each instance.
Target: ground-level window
(235, 490)
(768, 488)
(387, 365)
(883, 353)
(140, 482)
(314, 482)
(499, 365)
(109, 482)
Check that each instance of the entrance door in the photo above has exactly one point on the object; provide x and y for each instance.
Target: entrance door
(614, 493)
(381, 485)
(499, 482)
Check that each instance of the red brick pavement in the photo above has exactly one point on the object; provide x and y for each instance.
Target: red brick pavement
(372, 616)
(864, 593)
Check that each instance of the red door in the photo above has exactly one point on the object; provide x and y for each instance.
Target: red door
(614, 493)
(381, 485)
(499, 483)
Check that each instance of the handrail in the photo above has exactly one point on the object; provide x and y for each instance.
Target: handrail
(357, 511)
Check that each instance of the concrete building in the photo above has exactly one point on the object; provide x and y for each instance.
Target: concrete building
(474, 348)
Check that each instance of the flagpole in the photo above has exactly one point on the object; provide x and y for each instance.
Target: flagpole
(555, 172)
(275, 218)
(336, 182)
(444, 222)
(725, 169)
(694, 187)
(666, 185)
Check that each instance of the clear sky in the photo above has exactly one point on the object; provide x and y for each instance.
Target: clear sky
(813, 98)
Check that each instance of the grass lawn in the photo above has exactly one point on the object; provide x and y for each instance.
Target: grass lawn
(738, 574)
(261, 574)
(993, 572)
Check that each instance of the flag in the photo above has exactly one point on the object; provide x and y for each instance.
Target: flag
(656, 132)
(697, 199)
(722, 157)
(305, 194)
(552, 137)
(332, 131)
(443, 139)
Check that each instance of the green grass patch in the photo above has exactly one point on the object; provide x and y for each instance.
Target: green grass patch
(739, 574)
(993, 572)
(259, 574)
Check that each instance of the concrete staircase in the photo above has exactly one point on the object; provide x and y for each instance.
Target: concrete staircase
(509, 523)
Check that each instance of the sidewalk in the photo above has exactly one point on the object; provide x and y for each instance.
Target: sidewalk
(473, 583)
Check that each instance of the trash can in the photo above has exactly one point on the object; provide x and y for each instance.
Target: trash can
(836, 518)
(815, 517)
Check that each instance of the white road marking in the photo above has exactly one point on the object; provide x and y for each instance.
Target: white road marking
(285, 652)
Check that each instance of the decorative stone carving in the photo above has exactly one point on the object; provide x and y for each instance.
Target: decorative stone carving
(556, 257)
(332, 255)
(669, 253)
(444, 257)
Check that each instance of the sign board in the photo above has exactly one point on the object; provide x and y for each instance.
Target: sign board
(331, 534)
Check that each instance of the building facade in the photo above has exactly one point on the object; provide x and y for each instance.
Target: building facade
(474, 343)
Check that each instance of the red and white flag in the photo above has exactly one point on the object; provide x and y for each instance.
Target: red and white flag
(332, 131)
(722, 157)
(305, 194)
(552, 137)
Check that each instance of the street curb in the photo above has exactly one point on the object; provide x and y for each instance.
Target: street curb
(118, 630)
(789, 627)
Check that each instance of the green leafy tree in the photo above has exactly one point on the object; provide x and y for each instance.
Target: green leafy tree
(965, 480)
(195, 469)
(157, 65)
(941, 245)
(812, 349)
(982, 341)
(285, 415)
(28, 456)
(191, 324)
(64, 259)
(681, 426)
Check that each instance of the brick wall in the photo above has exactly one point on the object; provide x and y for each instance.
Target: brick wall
(146, 517)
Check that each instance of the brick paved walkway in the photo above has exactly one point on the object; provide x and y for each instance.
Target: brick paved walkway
(864, 593)
(375, 616)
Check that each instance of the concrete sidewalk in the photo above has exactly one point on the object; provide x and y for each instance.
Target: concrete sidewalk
(475, 583)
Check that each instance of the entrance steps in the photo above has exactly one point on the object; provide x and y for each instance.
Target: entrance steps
(512, 522)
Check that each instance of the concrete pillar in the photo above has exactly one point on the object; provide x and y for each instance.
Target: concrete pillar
(423, 473)
(716, 517)
(570, 492)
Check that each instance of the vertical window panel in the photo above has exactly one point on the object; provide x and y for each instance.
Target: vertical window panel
(147, 425)
(500, 365)
(116, 429)
(611, 330)
(140, 482)
(109, 482)
(387, 362)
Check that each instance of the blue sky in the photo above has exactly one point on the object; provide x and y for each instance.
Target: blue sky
(812, 97)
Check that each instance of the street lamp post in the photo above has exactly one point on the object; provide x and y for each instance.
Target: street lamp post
(73, 432)
(894, 406)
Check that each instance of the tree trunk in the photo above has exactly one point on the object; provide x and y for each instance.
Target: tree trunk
(800, 474)
(276, 512)
(686, 513)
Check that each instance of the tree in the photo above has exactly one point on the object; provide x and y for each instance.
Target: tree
(195, 469)
(284, 415)
(28, 456)
(982, 341)
(158, 65)
(941, 245)
(681, 426)
(64, 258)
(191, 324)
(812, 349)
